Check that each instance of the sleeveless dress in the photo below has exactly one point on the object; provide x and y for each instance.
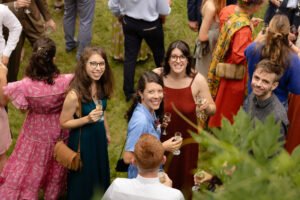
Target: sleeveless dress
(180, 168)
(203, 61)
(31, 165)
(94, 175)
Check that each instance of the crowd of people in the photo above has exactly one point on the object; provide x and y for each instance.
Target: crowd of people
(184, 93)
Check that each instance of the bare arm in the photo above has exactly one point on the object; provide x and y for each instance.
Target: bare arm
(3, 82)
(70, 107)
(200, 87)
(128, 157)
(107, 129)
(209, 13)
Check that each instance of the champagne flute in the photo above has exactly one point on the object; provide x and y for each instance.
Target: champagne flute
(177, 136)
(26, 10)
(167, 119)
(277, 9)
(161, 176)
(99, 106)
(200, 175)
(200, 113)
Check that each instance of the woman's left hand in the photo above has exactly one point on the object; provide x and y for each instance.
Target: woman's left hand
(108, 138)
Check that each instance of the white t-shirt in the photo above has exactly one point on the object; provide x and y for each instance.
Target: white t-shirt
(140, 188)
(9, 20)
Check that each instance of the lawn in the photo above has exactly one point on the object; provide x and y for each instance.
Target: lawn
(175, 28)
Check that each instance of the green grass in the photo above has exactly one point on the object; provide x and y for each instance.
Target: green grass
(175, 28)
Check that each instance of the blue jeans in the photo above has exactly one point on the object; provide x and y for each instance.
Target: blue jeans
(85, 10)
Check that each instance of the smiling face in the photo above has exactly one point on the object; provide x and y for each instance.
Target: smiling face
(263, 84)
(95, 67)
(152, 96)
(177, 61)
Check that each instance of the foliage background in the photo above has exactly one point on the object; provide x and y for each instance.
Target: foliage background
(175, 28)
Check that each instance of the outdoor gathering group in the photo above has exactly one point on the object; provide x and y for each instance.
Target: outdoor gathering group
(62, 148)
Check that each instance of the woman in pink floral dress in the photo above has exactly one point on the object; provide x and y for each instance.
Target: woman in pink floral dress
(31, 166)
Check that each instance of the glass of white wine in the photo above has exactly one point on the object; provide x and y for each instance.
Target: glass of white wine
(201, 114)
(198, 176)
(177, 136)
(99, 106)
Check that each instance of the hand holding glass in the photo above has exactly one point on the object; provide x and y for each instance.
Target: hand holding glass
(200, 175)
(26, 10)
(166, 119)
(99, 106)
(177, 136)
(200, 101)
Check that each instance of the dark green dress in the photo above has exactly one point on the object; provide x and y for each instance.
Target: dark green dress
(94, 176)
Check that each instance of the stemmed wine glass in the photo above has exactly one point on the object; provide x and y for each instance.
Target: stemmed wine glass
(198, 176)
(177, 136)
(99, 106)
(298, 9)
(200, 113)
(161, 176)
(277, 9)
(26, 10)
(166, 119)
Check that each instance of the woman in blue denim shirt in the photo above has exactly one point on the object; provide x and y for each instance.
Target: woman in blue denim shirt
(145, 117)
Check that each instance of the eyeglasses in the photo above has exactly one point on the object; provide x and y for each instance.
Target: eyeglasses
(94, 64)
(175, 57)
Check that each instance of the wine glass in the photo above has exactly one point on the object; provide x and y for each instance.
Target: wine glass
(99, 106)
(27, 10)
(200, 113)
(161, 176)
(298, 9)
(277, 9)
(167, 119)
(177, 136)
(199, 175)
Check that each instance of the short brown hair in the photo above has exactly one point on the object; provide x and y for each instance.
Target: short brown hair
(270, 67)
(148, 152)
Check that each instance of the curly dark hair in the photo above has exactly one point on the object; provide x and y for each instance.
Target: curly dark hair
(82, 82)
(41, 66)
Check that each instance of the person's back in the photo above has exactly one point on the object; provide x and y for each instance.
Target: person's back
(141, 188)
(148, 157)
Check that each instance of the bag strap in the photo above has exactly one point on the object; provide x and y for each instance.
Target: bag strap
(80, 115)
(122, 149)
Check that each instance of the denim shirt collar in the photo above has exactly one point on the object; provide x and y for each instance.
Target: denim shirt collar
(151, 117)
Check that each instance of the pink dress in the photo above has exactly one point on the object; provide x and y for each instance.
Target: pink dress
(31, 165)
(5, 137)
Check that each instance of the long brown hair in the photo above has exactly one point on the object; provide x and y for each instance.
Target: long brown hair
(276, 45)
(82, 82)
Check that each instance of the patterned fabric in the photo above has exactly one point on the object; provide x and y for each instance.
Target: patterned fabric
(31, 166)
(235, 22)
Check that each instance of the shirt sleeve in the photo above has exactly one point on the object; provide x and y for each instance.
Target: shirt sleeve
(114, 6)
(108, 194)
(14, 27)
(163, 7)
(15, 91)
(293, 75)
(136, 128)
